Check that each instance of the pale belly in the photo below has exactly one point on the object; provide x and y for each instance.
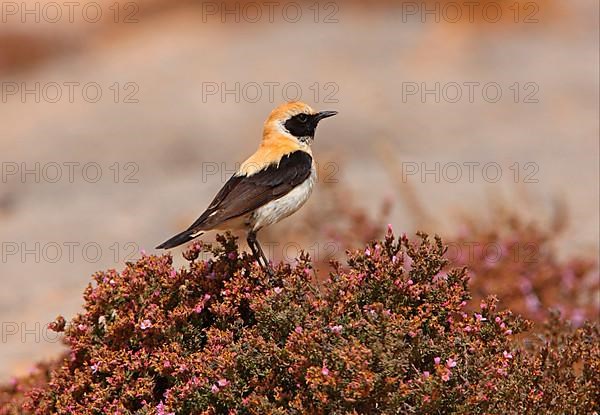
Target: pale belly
(283, 207)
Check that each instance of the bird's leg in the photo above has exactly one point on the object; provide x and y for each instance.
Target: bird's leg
(258, 252)
(252, 245)
(262, 254)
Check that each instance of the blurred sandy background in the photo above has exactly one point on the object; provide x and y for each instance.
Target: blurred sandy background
(166, 143)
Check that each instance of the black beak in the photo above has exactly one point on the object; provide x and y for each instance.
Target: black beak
(324, 114)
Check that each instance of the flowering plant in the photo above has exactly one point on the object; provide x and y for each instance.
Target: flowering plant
(386, 333)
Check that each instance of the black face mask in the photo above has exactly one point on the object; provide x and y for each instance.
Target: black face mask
(304, 125)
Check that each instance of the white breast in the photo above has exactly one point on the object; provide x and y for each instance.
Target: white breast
(283, 207)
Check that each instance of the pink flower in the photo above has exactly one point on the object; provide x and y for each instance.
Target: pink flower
(94, 367)
(336, 329)
(408, 263)
(441, 276)
(160, 409)
(202, 303)
(451, 363)
(146, 324)
(437, 360)
(223, 382)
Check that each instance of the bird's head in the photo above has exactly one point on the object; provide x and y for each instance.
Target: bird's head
(294, 120)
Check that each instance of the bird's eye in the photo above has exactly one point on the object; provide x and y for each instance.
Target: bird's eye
(302, 117)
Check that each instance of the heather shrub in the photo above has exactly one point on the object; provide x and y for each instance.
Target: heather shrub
(518, 259)
(519, 262)
(388, 332)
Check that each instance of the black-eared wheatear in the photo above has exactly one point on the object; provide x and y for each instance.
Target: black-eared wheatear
(270, 185)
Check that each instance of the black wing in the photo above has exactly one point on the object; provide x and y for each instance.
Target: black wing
(243, 194)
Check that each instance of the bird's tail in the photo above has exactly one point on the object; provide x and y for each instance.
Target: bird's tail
(180, 239)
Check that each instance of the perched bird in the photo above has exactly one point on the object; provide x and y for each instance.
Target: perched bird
(270, 185)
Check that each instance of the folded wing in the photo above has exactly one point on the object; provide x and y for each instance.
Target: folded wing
(243, 194)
